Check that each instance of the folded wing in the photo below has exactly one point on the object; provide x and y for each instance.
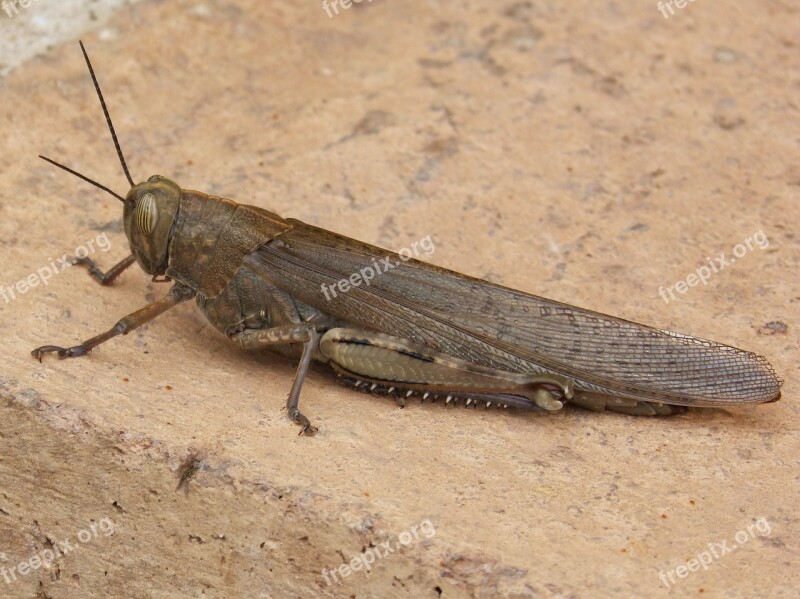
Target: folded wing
(503, 328)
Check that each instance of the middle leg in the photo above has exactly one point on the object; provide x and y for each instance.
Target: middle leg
(304, 333)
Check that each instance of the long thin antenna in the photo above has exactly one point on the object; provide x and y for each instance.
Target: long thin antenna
(108, 118)
(84, 177)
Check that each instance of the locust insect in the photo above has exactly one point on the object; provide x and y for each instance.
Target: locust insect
(416, 330)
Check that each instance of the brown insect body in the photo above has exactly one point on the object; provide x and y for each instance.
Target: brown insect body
(415, 329)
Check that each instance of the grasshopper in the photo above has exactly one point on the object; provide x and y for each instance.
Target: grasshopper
(415, 330)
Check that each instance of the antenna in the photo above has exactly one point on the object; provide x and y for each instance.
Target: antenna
(84, 177)
(110, 127)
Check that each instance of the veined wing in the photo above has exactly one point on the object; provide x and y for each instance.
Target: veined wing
(507, 329)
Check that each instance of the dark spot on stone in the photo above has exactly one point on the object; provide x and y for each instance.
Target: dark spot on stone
(776, 327)
(373, 122)
(611, 86)
(728, 122)
(432, 63)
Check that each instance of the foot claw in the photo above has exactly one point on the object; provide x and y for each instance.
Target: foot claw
(69, 352)
(307, 429)
(45, 349)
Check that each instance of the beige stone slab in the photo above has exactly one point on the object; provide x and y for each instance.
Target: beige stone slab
(588, 152)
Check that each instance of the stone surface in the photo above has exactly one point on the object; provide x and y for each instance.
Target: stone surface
(31, 27)
(589, 152)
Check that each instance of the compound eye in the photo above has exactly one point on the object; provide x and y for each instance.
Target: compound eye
(146, 213)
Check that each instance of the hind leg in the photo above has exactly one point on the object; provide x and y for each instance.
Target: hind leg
(390, 363)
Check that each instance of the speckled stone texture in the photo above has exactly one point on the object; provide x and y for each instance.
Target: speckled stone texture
(591, 152)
